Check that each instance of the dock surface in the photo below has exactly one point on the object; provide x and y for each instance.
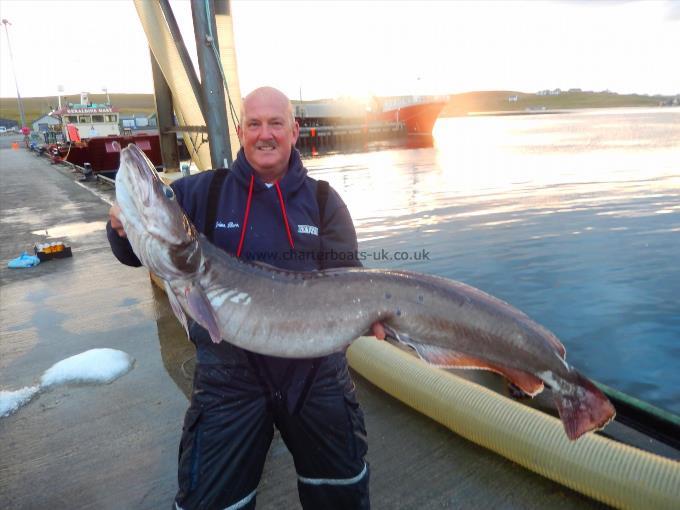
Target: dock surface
(115, 446)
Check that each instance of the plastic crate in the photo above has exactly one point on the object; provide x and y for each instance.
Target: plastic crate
(44, 253)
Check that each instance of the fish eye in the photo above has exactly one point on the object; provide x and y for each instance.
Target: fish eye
(168, 191)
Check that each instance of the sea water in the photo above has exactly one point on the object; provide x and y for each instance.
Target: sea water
(573, 218)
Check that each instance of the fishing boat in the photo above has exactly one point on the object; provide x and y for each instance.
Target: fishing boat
(93, 139)
(414, 115)
(417, 113)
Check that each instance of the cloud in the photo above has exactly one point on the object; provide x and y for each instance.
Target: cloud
(673, 10)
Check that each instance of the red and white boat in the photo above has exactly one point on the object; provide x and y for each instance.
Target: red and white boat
(417, 113)
(92, 135)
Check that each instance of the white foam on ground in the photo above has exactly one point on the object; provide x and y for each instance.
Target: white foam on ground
(11, 401)
(96, 366)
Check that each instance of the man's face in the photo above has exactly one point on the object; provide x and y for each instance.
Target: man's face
(268, 133)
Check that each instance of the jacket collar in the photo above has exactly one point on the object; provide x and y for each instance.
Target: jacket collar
(293, 179)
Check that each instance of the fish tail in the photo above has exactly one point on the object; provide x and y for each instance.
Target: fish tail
(582, 406)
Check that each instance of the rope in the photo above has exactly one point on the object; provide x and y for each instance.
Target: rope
(232, 109)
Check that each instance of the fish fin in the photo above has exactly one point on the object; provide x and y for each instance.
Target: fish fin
(202, 312)
(177, 307)
(526, 382)
(582, 407)
(393, 334)
(446, 358)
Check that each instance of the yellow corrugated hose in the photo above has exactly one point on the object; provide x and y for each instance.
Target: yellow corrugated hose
(611, 472)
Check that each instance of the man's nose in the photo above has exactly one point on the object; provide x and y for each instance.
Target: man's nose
(266, 131)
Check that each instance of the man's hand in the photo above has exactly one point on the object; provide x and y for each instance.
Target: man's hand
(378, 330)
(114, 216)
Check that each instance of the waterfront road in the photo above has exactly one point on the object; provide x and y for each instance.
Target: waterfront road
(115, 446)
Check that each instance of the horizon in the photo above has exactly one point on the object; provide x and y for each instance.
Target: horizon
(335, 49)
(293, 99)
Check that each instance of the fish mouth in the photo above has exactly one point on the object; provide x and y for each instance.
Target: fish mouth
(134, 157)
(150, 209)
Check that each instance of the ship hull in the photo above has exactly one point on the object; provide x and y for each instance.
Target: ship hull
(419, 118)
(103, 153)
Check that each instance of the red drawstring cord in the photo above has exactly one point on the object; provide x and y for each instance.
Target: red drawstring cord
(285, 217)
(245, 216)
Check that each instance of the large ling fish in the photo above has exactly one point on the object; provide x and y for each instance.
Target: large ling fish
(309, 314)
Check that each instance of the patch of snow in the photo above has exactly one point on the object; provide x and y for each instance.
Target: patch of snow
(96, 366)
(11, 401)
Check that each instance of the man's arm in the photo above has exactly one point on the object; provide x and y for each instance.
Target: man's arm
(120, 246)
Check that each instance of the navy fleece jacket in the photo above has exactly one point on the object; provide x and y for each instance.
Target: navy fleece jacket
(315, 246)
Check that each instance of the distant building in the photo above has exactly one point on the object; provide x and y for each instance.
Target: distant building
(512, 99)
(43, 123)
(548, 92)
(671, 101)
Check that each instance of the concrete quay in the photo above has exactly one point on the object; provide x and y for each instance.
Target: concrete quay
(115, 446)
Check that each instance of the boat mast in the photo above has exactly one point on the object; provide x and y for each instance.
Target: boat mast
(212, 87)
(162, 95)
(198, 106)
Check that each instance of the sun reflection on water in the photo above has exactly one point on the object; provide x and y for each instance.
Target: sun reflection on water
(573, 218)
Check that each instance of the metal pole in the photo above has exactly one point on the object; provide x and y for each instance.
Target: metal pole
(164, 115)
(212, 86)
(16, 83)
(182, 50)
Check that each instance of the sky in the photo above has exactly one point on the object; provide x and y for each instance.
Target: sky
(360, 48)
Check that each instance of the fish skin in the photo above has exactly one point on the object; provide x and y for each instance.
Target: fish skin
(310, 314)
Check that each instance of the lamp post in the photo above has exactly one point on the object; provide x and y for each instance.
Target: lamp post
(108, 99)
(16, 83)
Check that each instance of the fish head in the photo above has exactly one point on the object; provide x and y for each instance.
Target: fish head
(160, 234)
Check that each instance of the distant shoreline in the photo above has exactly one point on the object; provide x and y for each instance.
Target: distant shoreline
(480, 103)
(517, 103)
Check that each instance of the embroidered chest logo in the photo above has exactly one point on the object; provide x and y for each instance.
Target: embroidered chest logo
(308, 229)
(231, 224)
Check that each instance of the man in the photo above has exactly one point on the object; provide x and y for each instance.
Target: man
(267, 210)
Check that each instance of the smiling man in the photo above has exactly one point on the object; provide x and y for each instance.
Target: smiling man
(268, 132)
(266, 208)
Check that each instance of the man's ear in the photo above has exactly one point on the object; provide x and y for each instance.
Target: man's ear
(296, 131)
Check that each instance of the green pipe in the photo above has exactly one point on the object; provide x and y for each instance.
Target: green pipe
(610, 472)
(635, 403)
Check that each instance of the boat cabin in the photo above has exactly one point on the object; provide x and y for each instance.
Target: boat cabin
(89, 119)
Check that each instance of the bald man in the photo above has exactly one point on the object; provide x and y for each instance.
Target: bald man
(266, 208)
